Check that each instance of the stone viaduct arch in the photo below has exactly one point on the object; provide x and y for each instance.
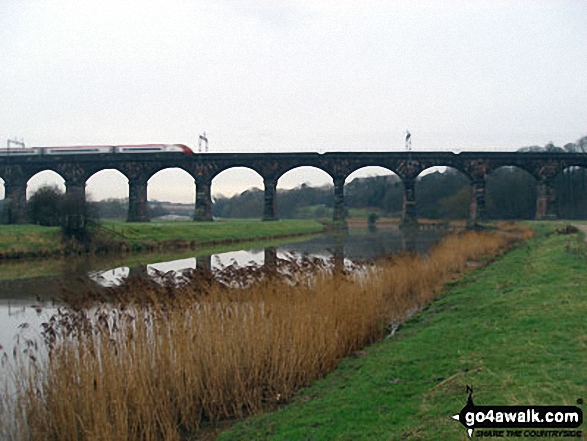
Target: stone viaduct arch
(295, 174)
(571, 191)
(242, 170)
(471, 208)
(524, 183)
(39, 179)
(117, 184)
(369, 171)
(163, 185)
(76, 169)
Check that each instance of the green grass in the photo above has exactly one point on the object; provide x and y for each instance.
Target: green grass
(514, 330)
(207, 232)
(28, 237)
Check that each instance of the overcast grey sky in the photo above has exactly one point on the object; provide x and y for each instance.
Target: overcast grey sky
(290, 76)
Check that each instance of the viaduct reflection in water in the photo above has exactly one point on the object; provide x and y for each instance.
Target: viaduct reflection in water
(341, 249)
(29, 299)
(80, 275)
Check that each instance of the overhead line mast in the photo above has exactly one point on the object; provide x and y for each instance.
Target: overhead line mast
(203, 139)
(15, 141)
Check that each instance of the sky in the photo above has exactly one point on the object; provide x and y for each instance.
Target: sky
(269, 76)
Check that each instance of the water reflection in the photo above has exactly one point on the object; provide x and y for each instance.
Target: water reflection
(77, 275)
(84, 274)
(111, 277)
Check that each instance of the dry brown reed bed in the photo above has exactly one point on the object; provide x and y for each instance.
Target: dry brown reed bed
(158, 363)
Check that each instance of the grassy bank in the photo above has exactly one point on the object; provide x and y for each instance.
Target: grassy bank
(169, 361)
(23, 241)
(515, 331)
(28, 238)
(210, 232)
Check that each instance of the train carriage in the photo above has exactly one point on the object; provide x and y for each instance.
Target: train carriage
(98, 149)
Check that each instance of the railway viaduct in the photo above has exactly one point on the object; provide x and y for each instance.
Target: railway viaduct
(138, 168)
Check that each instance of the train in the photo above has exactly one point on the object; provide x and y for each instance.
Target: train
(97, 149)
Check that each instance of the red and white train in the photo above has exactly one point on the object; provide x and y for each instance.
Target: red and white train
(94, 149)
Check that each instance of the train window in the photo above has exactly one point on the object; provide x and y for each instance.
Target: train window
(18, 152)
(57, 151)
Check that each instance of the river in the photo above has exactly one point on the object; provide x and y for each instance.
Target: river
(29, 290)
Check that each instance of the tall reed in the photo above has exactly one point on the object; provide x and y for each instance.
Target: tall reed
(158, 363)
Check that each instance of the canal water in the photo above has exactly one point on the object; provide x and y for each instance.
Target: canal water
(29, 290)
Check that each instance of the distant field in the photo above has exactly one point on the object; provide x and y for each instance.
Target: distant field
(206, 232)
